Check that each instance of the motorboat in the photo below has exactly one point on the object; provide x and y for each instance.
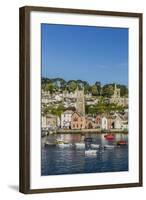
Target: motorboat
(90, 152)
(121, 142)
(64, 145)
(109, 136)
(80, 145)
(107, 146)
(95, 146)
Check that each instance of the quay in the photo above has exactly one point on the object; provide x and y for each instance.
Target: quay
(82, 131)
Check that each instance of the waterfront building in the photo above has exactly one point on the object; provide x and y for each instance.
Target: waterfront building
(66, 119)
(110, 122)
(90, 123)
(98, 121)
(44, 123)
(117, 124)
(77, 121)
(104, 123)
(49, 121)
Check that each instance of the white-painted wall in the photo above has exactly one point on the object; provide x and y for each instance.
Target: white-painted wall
(65, 120)
(104, 123)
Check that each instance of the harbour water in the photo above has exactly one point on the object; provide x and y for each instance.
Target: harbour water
(57, 159)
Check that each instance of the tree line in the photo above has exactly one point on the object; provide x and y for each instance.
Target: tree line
(59, 84)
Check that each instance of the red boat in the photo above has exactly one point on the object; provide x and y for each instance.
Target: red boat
(121, 142)
(109, 136)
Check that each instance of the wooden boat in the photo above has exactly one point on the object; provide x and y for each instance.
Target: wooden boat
(107, 146)
(95, 146)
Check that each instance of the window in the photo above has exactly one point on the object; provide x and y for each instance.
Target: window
(75, 119)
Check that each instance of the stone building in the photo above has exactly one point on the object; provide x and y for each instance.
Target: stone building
(80, 101)
(117, 99)
(50, 121)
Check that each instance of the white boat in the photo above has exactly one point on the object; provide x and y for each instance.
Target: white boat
(80, 145)
(95, 146)
(64, 145)
(107, 146)
(91, 152)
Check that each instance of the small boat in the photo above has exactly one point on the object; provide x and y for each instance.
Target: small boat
(107, 146)
(64, 145)
(91, 152)
(80, 145)
(109, 136)
(50, 144)
(95, 146)
(121, 142)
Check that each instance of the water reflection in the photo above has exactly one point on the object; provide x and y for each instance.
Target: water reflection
(70, 160)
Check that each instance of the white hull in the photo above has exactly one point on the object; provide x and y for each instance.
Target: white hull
(90, 152)
(109, 146)
(80, 145)
(95, 146)
(64, 145)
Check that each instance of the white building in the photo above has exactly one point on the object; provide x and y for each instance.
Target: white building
(66, 119)
(58, 98)
(104, 123)
(44, 122)
(118, 123)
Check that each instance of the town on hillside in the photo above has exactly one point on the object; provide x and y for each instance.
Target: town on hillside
(96, 108)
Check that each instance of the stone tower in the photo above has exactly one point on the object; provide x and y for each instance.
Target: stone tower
(80, 101)
(116, 92)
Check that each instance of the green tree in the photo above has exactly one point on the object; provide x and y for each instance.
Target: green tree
(49, 87)
(72, 85)
(98, 85)
(107, 90)
(94, 90)
(123, 90)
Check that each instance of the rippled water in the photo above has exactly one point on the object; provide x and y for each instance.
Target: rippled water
(69, 160)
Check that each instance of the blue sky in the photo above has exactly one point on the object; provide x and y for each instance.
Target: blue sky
(87, 53)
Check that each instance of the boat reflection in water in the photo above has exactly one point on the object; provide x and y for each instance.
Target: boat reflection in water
(88, 153)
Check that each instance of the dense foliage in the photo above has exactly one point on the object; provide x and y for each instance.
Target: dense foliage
(59, 84)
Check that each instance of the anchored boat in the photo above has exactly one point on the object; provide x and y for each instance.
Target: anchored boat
(95, 146)
(121, 143)
(80, 145)
(107, 146)
(90, 152)
(109, 136)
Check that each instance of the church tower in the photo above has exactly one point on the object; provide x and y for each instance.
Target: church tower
(80, 101)
(116, 92)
